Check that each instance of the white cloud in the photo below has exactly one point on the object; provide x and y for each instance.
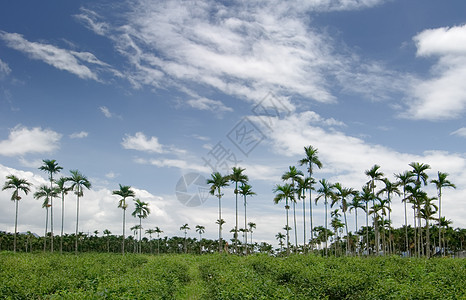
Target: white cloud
(141, 143)
(22, 140)
(443, 96)
(460, 132)
(79, 135)
(208, 104)
(4, 69)
(106, 111)
(62, 59)
(89, 18)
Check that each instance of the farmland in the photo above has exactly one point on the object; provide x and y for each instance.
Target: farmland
(136, 276)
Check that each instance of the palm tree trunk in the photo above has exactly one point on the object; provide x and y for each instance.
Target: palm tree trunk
(16, 225)
(304, 220)
(51, 224)
(310, 215)
(46, 226)
(245, 240)
(427, 239)
(77, 223)
(236, 217)
(62, 221)
(406, 225)
(367, 228)
(439, 218)
(140, 234)
(347, 236)
(295, 231)
(287, 231)
(326, 227)
(124, 219)
(219, 222)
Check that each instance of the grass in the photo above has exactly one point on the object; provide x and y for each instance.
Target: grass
(112, 276)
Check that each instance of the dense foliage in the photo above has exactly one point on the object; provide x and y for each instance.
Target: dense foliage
(113, 276)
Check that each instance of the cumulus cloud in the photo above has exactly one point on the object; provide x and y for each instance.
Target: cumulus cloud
(443, 96)
(79, 135)
(22, 140)
(140, 142)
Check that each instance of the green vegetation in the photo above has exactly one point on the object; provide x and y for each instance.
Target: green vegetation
(136, 276)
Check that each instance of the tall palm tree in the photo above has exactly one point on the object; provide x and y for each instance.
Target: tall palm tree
(341, 195)
(47, 193)
(416, 196)
(124, 192)
(375, 175)
(158, 231)
(78, 182)
(251, 226)
(280, 237)
(285, 192)
(440, 183)
(17, 185)
(51, 167)
(63, 190)
(185, 228)
(246, 190)
(366, 196)
(310, 160)
(302, 185)
(404, 179)
(237, 176)
(419, 172)
(389, 189)
(200, 229)
(217, 182)
(107, 233)
(427, 212)
(142, 211)
(293, 174)
(355, 204)
(326, 191)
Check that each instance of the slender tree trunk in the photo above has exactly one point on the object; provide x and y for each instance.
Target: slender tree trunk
(416, 250)
(295, 227)
(46, 227)
(16, 225)
(367, 228)
(140, 235)
(356, 224)
(287, 231)
(219, 222)
(62, 221)
(439, 220)
(427, 239)
(326, 227)
(347, 235)
(124, 219)
(236, 215)
(310, 215)
(245, 238)
(51, 223)
(406, 225)
(304, 222)
(77, 223)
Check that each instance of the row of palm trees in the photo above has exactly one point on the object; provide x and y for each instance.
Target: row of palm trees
(347, 199)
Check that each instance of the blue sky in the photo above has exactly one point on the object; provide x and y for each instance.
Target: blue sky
(140, 93)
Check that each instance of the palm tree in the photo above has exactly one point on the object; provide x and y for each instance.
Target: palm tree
(135, 230)
(237, 176)
(356, 203)
(293, 174)
(285, 192)
(200, 229)
(246, 190)
(374, 175)
(107, 233)
(404, 179)
(158, 231)
(326, 190)
(427, 212)
(280, 237)
(303, 185)
(185, 228)
(217, 182)
(51, 167)
(366, 196)
(251, 226)
(220, 223)
(17, 185)
(62, 190)
(78, 182)
(419, 172)
(311, 160)
(336, 224)
(142, 211)
(341, 195)
(416, 197)
(47, 193)
(124, 192)
(440, 183)
(389, 189)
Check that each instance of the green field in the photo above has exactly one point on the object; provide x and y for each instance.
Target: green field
(112, 276)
